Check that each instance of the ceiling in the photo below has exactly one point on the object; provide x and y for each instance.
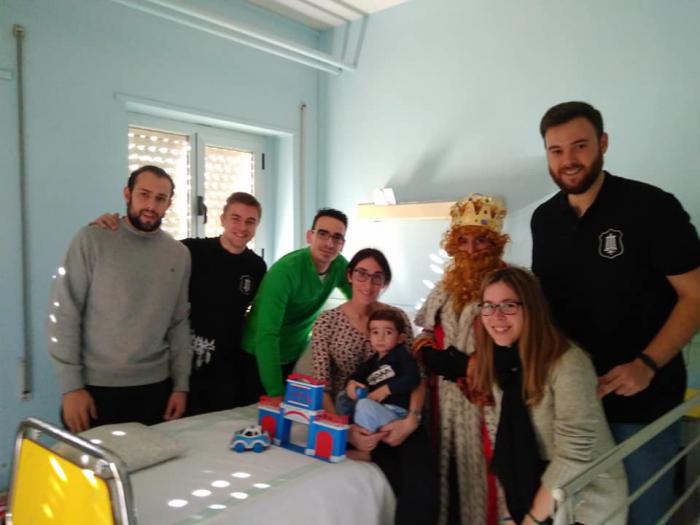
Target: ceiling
(325, 14)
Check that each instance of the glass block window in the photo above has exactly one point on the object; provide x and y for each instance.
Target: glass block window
(171, 152)
(226, 170)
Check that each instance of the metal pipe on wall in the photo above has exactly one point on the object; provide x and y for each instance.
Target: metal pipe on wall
(302, 170)
(25, 361)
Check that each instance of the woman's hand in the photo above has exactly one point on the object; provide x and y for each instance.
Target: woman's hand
(397, 431)
(424, 339)
(364, 440)
(541, 508)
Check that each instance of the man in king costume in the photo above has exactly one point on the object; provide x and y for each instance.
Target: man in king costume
(475, 243)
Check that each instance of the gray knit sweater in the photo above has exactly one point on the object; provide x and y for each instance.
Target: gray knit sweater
(119, 311)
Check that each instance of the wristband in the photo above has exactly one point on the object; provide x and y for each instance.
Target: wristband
(538, 522)
(649, 362)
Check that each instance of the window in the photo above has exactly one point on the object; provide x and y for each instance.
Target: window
(206, 164)
(225, 171)
(172, 153)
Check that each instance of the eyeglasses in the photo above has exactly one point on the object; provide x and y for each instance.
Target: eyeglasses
(506, 308)
(362, 275)
(324, 235)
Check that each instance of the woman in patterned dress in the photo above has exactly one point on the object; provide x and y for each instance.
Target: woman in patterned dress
(339, 344)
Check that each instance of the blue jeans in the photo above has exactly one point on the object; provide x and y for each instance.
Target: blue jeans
(373, 415)
(644, 463)
(369, 414)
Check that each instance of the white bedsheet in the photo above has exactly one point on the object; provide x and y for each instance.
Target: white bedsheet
(215, 485)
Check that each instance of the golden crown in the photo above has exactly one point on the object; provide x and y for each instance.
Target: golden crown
(479, 210)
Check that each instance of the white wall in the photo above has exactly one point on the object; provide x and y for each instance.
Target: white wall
(78, 54)
(449, 94)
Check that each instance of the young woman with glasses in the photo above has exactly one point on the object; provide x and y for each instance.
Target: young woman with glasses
(340, 343)
(551, 425)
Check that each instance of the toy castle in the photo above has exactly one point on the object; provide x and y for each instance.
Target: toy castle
(303, 403)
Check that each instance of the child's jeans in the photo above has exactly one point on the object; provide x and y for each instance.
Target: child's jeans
(369, 414)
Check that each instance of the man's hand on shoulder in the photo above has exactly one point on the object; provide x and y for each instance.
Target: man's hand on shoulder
(108, 221)
(176, 406)
(626, 379)
(78, 407)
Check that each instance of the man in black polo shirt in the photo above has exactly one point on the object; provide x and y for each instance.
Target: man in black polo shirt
(619, 262)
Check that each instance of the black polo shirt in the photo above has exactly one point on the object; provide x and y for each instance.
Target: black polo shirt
(604, 275)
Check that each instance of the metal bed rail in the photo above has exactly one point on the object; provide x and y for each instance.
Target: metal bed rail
(566, 494)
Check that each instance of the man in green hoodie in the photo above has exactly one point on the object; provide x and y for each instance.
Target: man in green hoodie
(290, 297)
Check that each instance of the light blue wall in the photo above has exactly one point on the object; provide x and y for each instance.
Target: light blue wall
(449, 93)
(79, 53)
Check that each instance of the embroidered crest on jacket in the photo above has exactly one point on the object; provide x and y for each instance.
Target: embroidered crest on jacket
(610, 244)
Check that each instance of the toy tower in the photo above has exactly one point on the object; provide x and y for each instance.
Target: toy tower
(303, 403)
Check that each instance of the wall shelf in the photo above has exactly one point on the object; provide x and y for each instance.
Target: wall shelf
(437, 210)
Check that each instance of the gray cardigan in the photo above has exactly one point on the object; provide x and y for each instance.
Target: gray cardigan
(572, 432)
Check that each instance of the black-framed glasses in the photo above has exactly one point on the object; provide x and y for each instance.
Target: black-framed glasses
(378, 278)
(506, 308)
(324, 235)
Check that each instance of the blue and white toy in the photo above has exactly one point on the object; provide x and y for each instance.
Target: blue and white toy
(303, 403)
(251, 437)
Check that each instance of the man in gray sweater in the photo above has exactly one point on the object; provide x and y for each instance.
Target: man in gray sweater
(119, 330)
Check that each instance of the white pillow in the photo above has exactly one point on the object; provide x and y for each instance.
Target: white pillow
(137, 445)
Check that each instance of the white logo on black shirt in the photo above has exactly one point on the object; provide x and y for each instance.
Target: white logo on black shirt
(382, 373)
(202, 348)
(610, 244)
(245, 285)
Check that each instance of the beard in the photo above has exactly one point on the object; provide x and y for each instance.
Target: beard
(465, 273)
(585, 183)
(136, 222)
